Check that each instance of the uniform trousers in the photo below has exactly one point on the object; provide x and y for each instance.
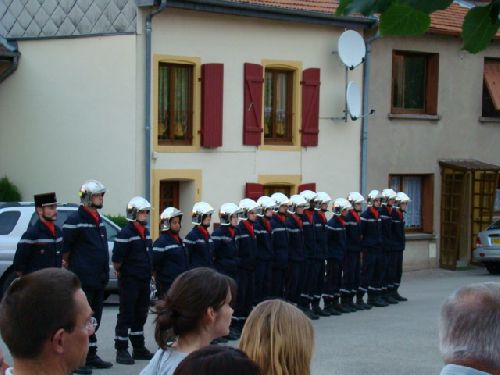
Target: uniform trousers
(95, 297)
(246, 293)
(295, 276)
(333, 279)
(350, 277)
(372, 271)
(278, 282)
(263, 280)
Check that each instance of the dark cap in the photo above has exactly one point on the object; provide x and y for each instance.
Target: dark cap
(45, 199)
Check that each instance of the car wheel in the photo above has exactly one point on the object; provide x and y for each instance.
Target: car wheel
(8, 279)
(493, 267)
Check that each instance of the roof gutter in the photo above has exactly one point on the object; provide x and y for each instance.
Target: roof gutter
(12, 55)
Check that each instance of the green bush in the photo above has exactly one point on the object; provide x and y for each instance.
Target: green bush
(119, 220)
(8, 191)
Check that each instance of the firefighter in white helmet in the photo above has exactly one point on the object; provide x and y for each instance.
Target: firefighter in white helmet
(280, 244)
(199, 245)
(86, 254)
(398, 236)
(131, 260)
(373, 265)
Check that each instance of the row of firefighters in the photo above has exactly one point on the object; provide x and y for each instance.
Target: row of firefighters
(275, 247)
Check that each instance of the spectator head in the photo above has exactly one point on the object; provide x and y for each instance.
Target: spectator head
(216, 360)
(45, 318)
(279, 338)
(469, 330)
(199, 301)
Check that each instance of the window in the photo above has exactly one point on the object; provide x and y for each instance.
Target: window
(175, 104)
(414, 83)
(278, 88)
(169, 194)
(491, 93)
(270, 189)
(8, 221)
(420, 189)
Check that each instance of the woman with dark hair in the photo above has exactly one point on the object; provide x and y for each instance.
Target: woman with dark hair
(215, 360)
(196, 310)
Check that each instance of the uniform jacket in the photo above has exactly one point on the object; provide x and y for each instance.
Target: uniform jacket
(295, 239)
(133, 252)
(225, 250)
(321, 235)
(170, 258)
(386, 216)
(87, 243)
(247, 246)
(398, 230)
(337, 243)
(264, 239)
(200, 249)
(309, 234)
(38, 249)
(279, 234)
(353, 231)
(371, 228)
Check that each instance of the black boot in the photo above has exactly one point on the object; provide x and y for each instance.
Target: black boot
(350, 302)
(345, 303)
(389, 298)
(142, 353)
(331, 309)
(123, 357)
(373, 300)
(360, 304)
(338, 306)
(84, 370)
(397, 296)
(307, 311)
(96, 362)
(317, 309)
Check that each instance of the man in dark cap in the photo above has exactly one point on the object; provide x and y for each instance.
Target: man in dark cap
(41, 246)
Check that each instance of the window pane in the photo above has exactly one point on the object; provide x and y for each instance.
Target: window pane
(281, 104)
(268, 103)
(414, 81)
(412, 186)
(394, 183)
(277, 105)
(8, 221)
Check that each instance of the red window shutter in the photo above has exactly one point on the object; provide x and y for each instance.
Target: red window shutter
(252, 104)
(212, 84)
(254, 191)
(310, 106)
(309, 186)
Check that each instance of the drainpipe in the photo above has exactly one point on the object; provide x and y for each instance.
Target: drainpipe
(149, 30)
(366, 111)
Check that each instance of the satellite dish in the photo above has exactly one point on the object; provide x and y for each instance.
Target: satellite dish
(353, 100)
(351, 48)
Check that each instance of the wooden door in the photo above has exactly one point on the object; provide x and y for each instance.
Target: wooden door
(169, 194)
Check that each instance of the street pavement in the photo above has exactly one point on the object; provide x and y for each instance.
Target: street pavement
(400, 339)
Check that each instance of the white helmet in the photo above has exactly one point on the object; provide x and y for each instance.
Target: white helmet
(280, 199)
(168, 214)
(135, 205)
(355, 197)
(246, 205)
(340, 205)
(308, 195)
(226, 211)
(388, 194)
(402, 198)
(265, 203)
(321, 197)
(295, 201)
(372, 195)
(200, 209)
(88, 189)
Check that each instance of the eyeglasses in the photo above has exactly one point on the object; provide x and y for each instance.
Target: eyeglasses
(91, 325)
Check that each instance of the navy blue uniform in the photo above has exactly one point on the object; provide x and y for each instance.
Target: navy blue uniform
(169, 260)
(350, 279)
(247, 253)
(279, 235)
(310, 252)
(132, 249)
(200, 248)
(263, 272)
(386, 216)
(225, 250)
(398, 246)
(295, 258)
(337, 248)
(371, 228)
(85, 239)
(39, 248)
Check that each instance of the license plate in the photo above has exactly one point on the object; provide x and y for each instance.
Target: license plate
(496, 241)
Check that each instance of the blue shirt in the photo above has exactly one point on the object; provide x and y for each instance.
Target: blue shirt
(452, 369)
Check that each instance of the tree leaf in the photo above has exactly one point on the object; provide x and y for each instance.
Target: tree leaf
(428, 6)
(364, 7)
(478, 29)
(401, 19)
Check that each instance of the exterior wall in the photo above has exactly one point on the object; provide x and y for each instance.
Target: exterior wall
(233, 41)
(415, 146)
(69, 114)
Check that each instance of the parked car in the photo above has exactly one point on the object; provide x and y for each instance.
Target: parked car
(15, 218)
(488, 248)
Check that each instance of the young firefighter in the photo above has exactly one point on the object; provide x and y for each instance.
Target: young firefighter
(247, 252)
(398, 236)
(199, 245)
(388, 199)
(321, 202)
(226, 252)
(351, 276)
(169, 254)
(280, 240)
(371, 229)
(132, 263)
(263, 272)
(337, 248)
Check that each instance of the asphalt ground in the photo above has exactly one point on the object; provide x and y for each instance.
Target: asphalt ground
(399, 339)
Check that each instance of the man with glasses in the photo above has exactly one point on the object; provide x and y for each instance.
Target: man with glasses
(86, 254)
(41, 246)
(46, 333)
